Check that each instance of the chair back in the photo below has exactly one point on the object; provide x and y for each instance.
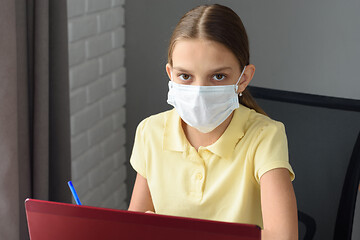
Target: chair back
(321, 142)
(346, 211)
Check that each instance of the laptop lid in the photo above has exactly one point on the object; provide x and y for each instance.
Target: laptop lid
(53, 220)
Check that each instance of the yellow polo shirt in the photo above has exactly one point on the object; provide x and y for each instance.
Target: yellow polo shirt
(218, 182)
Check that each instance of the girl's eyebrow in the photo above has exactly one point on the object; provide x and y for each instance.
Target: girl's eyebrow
(180, 69)
(221, 69)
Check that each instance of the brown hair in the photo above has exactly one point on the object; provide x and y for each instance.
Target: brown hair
(221, 24)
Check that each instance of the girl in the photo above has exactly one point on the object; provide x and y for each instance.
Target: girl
(216, 155)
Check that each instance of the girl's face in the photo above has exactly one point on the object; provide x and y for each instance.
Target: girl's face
(203, 63)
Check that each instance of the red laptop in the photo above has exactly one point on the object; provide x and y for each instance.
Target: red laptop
(53, 220)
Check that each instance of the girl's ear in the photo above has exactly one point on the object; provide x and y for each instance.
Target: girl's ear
(168, 70)
(246, 77)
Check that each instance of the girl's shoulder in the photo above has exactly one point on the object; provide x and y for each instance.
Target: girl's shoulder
(258, 122)
(156, 121)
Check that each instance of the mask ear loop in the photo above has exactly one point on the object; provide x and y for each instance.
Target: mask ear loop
(171, 80)
(236, 85)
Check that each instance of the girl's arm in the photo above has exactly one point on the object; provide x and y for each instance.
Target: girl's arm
(141, 199)
(278, 205)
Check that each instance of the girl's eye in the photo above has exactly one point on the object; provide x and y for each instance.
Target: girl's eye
(219, 77)
(185, 77)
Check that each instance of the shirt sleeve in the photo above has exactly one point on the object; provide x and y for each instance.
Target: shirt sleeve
(271, 150)
(137, 159)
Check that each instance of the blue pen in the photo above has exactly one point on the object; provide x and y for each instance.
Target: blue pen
(77, 200)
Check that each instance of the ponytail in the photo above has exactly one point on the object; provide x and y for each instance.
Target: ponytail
(248, 101)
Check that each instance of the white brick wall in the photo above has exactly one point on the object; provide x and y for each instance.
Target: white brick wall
(97, 99)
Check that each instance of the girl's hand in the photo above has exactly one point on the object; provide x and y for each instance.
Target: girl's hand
(150, 212)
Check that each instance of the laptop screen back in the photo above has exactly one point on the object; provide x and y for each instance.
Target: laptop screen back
(52, 220)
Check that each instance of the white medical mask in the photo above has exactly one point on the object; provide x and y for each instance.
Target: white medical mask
(204, 107)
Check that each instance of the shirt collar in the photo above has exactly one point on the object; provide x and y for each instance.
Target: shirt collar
(175, 140)
(225, 145)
